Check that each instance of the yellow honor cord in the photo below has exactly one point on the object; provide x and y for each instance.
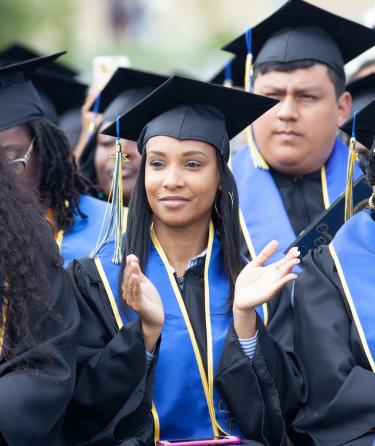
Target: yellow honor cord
(257, 158)
(349, 180)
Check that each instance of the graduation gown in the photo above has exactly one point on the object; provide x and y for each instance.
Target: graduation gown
(340, 407)
(82, 237)
(34, 398)
(114, 391)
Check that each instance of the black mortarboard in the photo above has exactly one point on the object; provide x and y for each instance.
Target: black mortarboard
(190, 109)
(132, 85)
(362, 91)
(65, 93)
(322, 230)
(301, 31)
(17, 52)
(19, 99)
(364, 125)
(232, 74)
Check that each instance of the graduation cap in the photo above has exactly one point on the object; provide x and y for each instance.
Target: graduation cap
(322, 230)
(19, 99)
(362, 91)
(190, 109)
(128, 84)
(184, 109)
(300, 31)
(18, 52)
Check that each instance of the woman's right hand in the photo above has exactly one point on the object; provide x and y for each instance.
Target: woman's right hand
(141, 295)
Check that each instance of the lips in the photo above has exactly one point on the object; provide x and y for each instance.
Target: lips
(174, 198)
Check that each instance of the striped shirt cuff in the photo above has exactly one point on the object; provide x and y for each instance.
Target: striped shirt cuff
(249, 346)
(149, 358)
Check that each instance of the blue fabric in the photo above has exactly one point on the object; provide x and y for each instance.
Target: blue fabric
(81, 239)
(261, 203)
(183, 412)
(354, 245)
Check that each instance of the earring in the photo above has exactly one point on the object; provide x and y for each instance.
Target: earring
(371, 202)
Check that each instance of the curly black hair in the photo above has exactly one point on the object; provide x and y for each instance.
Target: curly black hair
(27, 249)
(60, 183)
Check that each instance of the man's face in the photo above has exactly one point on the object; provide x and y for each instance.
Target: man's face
(297, 135)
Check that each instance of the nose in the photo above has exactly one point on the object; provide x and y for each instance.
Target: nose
(287, 109)
(173, 178)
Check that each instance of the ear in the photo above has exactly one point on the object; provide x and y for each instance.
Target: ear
(344, 104)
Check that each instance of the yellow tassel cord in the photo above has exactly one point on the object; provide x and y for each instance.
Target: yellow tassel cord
(114, 219)
(349, 180)
(257, 158)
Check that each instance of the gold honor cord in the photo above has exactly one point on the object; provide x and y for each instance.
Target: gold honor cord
(323, 178)
(119, 323)
(59, 238)
(352, 307)
(253, 254)
(206, 388)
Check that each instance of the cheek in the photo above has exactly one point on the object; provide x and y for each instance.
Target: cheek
(101, 158)
(263, 125)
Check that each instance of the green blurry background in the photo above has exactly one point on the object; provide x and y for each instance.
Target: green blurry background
(181, 36)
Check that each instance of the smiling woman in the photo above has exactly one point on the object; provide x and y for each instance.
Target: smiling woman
(167, 340)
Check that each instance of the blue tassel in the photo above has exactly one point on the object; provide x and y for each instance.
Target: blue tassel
(228, 81)
(95, 112)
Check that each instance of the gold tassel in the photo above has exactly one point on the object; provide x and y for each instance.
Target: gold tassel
(349, 180)
(257, 158)
(114, 215)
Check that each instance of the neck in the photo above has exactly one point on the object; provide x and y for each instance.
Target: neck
(181, 244)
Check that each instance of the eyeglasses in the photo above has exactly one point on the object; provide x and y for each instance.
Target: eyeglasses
(19, 164)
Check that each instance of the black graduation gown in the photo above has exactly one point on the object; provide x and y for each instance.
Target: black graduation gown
(34, 399)
(113, 394)
(341, 399)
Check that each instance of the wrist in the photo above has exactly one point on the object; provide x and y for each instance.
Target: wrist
(245, 322)
(151, 334)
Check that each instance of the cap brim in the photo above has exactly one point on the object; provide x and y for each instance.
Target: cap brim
(365, 125)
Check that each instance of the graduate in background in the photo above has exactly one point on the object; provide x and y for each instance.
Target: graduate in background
(124, 90)
(293, 155)
(45, 162)
(334, 314)
(182, 331)
(38, 324)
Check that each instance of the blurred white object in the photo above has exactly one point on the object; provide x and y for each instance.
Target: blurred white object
(103, 68)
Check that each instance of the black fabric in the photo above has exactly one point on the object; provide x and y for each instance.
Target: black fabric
(364, 125)
(112, 400)
(341, 404)
(20, 102)
(127, 80)
(362, 91)
(34, 398)
(195, 102)
(350, 37)
(302, 197)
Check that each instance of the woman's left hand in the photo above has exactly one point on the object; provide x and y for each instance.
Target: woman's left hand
(257, 284)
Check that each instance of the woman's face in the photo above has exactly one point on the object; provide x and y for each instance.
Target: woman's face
(181, 180)
(104, 163)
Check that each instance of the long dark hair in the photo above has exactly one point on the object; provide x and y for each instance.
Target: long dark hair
(225, 218)
(60, 183)
(27, 248)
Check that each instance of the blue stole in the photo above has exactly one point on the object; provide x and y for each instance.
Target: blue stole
(353, 251)
(185, 402)
(264, 217)
(82, 237)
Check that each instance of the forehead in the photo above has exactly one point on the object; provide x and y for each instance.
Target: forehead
(173, 146)
(15, 136)
(315, 76)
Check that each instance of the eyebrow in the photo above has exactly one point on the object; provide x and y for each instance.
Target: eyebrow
(10, 146)
(190, 153)
(312, 89)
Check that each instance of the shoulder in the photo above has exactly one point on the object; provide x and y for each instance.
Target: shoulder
(88, 203)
